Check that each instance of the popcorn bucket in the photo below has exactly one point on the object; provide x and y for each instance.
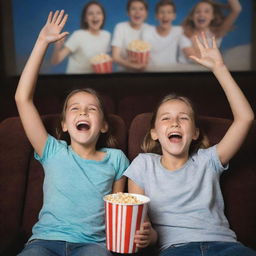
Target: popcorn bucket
(103, 67)
(122, 221)
(138, 56)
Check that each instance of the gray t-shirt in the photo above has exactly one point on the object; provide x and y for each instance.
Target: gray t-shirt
(186, 204)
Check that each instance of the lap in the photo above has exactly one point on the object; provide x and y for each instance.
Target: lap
(40, 247)
(209, 249)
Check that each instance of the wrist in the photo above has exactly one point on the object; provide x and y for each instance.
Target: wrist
(219, 68)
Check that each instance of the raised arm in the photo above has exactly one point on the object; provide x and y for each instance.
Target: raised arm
(236, 8)
(240, 107)
(29, 115)
(60, 52)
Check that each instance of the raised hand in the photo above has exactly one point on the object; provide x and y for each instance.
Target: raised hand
(51, 32)
(209, 57)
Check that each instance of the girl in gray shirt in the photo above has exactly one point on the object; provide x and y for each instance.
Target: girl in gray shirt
(181, 175)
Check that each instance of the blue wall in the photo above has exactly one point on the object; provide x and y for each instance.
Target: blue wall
(30, 15)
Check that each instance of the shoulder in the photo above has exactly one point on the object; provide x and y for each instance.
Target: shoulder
(147, 26)
(178, 29)
(122, 25)
(147, 158)
(149, 29)
(115, 154)
(79, 32)
(105, 33)
(52, 147)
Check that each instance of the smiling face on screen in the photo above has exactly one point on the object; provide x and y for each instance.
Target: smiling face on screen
(94, 17)
(165, 16)
(203, 16)
(137, 13)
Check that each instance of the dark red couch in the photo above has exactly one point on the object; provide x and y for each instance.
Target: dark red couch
(21, 178)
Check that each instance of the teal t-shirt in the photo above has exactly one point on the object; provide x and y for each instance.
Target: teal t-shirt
(73, 206)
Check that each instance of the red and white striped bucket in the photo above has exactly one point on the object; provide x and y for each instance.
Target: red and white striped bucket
(103, 67)
(122, 221)
(139, 57)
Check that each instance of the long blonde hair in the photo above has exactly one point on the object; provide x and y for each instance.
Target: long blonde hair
(153, 146)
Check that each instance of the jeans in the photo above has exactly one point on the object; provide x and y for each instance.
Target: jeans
(40, 247)
(208, 249)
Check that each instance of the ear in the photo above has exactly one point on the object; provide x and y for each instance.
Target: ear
(104, 128)
(153, 134)
(64, 127)
(196, 134)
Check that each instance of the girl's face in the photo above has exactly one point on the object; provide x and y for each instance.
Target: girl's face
(165, 16)
(203, 15)
(84, 119)
(175, 128)
(94, 17)
(137, 13)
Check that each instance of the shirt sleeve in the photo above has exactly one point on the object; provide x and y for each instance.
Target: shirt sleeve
(117, 36)
(122, 164)
(185, 42)
(52, 146)
(136, 171)
(72, 42)
(213, 158)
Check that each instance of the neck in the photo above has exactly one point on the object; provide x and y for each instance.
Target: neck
(173, 163)
(200, 30)
(135, 26)
(163, 31)
(94, 32)
(88, 152)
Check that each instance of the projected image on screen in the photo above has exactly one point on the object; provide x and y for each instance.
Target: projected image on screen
(109, 36)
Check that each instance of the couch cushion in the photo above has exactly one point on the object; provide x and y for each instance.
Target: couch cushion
(15, 152)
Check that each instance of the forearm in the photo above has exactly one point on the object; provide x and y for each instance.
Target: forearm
(235, 6)
(26, 86)
(240, 107)
(154, 237)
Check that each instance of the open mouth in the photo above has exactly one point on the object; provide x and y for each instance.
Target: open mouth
(201, 21)
(175, 137)
(82, 126)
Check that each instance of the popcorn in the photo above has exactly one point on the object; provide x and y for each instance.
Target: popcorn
(122, 198)
(139, 46)
(138, 51)
(102, 63)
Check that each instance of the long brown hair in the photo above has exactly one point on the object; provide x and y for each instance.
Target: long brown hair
(189, 26)
(83, 23)
(105, 139)
(153, 146)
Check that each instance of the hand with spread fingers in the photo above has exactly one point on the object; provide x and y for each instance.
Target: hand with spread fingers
(51, 32)
(209, 56)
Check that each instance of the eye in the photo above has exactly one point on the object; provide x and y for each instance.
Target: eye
(165, 118)
(184, 118)
(73, 108)
(92, 108)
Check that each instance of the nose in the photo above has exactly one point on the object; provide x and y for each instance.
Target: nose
(83, 113)
(175, 123)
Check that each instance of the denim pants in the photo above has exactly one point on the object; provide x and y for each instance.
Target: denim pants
(208, 249)
(40, 247)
